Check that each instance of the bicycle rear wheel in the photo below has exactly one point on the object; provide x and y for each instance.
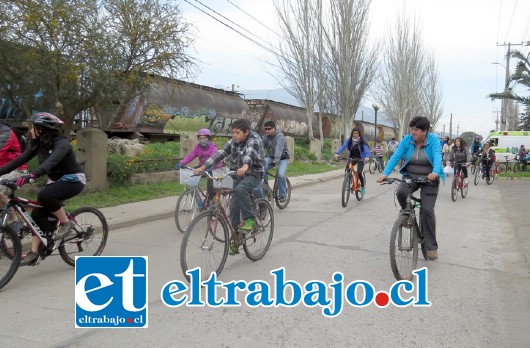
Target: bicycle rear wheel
(491, 178)
(346, 187)
(501, 168)
(454, 189)
(186, 209)
(257, 242)
(279, 203)
(403, 248)
(90, 237)
(205, 245)
(10, 255)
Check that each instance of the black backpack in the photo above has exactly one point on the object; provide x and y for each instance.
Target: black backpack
(21, 138)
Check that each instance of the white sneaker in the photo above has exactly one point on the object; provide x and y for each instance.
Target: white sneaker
(64, 230)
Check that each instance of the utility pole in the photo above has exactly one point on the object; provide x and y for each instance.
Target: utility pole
(504, 106)
(451, 127)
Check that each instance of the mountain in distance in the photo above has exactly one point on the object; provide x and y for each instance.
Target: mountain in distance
(364, 113)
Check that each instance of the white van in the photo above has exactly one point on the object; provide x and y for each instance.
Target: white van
(508, 143)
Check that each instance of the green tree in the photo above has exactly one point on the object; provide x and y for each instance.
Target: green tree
(67, 56)
(524, 124)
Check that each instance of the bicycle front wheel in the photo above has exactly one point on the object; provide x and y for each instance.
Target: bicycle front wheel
(205, 245)
(491, 178)
(285, 203)
(257, 242)
(10, 255)
(403, 248)
(465, 186)
(454, 189)
(477, 176)
(186, 209)
(371, 167)
(346, 187)
(88, 237)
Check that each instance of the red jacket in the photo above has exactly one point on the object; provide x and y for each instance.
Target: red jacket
(9, 147)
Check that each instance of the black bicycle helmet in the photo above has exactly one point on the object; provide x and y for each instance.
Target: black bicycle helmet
(46, 120)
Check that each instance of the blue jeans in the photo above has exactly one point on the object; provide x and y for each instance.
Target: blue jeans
(240, 204)
(282, 174)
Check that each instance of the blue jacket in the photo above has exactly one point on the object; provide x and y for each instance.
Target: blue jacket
(406, 147)
(364, 151)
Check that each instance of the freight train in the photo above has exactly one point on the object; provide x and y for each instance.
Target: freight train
(172, 108)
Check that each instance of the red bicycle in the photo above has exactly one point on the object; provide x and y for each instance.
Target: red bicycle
(460, 182)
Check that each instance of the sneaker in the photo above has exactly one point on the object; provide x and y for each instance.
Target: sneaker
(30, 257)
(249, 225)
(63, 230)
(432, 254)
(363, 191)
(283, 200)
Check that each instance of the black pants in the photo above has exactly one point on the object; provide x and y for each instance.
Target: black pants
(428, 196)
(51, 198)
(360, 168)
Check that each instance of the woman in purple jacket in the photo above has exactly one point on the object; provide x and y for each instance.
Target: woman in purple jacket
(203, 150)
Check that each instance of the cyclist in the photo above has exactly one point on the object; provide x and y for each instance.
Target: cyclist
(488, 158)
(392, 146)
(10, 148)
(522, 154)
(476, 147)
(359, 150)
(378, 153)
(423, 157)
(244, 150)
(460, 155)
(277, 155)
(205, 149)
(66, 178)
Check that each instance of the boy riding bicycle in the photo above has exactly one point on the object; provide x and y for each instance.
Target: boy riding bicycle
(244, 150)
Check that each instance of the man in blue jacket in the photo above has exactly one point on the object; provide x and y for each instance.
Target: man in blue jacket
(423, 157)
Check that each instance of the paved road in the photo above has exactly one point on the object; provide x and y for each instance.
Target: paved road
(479, 288)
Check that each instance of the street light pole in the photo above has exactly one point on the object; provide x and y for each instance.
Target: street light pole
(376, 107)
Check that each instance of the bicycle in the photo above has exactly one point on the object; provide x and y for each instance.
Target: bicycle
(474, 164)
(211, 237)
(274, 194)
(406, 234)
(481, 174)
(520, 166)
(460, 183)
(88, 235)
(376, 164)
(506, 166)
(351, 182)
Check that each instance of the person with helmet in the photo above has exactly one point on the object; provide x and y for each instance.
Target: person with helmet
(205, 149)
(476, 147)
(66, 178)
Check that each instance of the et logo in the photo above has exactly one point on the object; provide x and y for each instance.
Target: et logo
(111, 292)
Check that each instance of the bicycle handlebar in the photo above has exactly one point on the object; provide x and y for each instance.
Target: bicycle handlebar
(216, 178)
(408, 181)
(12, 183)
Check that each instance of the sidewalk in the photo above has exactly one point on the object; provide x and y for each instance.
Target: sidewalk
(131, 214)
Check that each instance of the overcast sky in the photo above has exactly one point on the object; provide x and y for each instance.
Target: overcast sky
(463, 34)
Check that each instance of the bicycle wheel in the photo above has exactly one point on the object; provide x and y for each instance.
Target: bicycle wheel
(371, 167)
(491, 178)
(257, 242)
(186, 209)
(500, 168)
(276, 189)
(205, 245)
(517, 167)
(346, 187)
(472, 168)
(465, 186)
(90, 237)
(10, 255)
(358, 194)
(267, 194)
(380, 167)
(454, 189)
(403, 249)
(477, 176)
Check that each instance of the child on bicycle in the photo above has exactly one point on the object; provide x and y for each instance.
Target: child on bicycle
(378, 152)
(205, 149)
(66, 178)
(358, 148)
(245, 150)
(488, 158)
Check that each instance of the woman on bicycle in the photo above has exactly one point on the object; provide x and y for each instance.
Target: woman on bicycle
(66, 178)
(460, 154)
(423, 157)
(359, 150)
(205, 149)
(488, 158)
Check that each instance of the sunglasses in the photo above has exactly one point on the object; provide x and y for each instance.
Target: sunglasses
(267, 129)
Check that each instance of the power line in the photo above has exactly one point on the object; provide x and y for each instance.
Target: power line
(248, 14)
(237, 31)
(511, 20)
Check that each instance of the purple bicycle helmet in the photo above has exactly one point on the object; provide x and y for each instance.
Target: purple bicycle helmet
(46, 120)
(204, 131)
